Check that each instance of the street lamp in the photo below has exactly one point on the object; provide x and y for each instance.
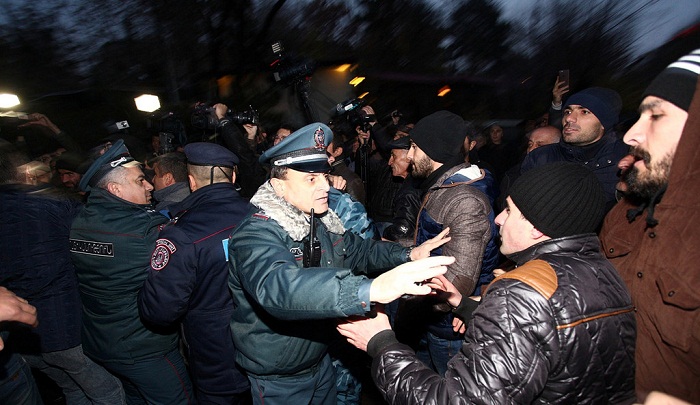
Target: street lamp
(8, 100)
(147, 102)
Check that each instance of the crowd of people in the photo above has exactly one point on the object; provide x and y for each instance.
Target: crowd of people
(552, 264)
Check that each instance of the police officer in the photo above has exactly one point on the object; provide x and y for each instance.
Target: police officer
(111, 241)
(188, 277)
(288, 285)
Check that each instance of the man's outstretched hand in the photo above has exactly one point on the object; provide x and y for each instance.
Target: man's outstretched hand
(408, 278)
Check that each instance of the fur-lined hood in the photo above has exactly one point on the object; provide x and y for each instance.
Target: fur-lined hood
(290, 218)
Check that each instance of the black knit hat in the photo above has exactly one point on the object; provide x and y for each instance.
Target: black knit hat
(676, 83)
(440, 135)
(604, 103)
(560, 199)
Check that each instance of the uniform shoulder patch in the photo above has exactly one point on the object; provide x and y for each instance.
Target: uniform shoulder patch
(161, 254)
(261, 215)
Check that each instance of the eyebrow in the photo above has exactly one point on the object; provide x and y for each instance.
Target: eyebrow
(648, 106)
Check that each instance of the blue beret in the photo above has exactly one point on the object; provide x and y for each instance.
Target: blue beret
(209, 154)
(117, 155)
(304, 150)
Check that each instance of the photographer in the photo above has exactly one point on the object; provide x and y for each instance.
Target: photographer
(371, 164)
(252, 174)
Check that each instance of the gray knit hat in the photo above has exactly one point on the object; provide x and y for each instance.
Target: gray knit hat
(560, 199)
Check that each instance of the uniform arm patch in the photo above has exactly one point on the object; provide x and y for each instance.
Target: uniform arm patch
(161, 254)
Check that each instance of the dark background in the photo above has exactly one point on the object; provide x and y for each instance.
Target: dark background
(82, 62)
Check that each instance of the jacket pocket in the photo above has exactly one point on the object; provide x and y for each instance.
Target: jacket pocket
(678, 315)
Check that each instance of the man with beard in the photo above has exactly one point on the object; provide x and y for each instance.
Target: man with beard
(652, 236)
(587, 138)
(453, 194)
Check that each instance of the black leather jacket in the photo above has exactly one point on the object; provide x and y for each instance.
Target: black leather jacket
(571, 344)
(406, 206)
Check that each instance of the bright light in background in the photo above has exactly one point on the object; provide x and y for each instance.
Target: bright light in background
(363, 95)
(357, 80)
(147, 102)
(8, 100)
(343, 67)
(444, 90)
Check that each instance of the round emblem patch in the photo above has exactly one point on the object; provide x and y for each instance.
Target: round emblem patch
(160, 257)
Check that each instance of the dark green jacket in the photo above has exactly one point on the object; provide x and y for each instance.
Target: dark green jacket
(111, 244)
(284, 313)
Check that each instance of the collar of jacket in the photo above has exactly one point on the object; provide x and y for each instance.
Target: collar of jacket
(173, 189)
(101, 196)
(290, 218)
(576, 243)
(213, 192)
(588, 152)
(447, 174)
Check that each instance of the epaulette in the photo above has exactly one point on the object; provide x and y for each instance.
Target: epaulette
(538, 274)
(261, 215)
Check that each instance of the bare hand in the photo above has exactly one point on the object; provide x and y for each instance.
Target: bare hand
(443, 284)
(337, 182)
(560, 88)
(40, 120)
(458, 325)
(14, 308)
(220, 110)
(408, 278)
(498, 272)
(359, 331)
(251, 130)
(429, 245)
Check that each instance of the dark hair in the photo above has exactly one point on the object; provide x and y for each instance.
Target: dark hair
(343, 140)
(174, 163)
(278, 172)
(217, 174)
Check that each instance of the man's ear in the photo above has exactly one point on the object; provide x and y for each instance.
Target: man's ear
(114, 189)
(168, 179)
(337, 152)
(193, 182)
(278, 185)
(233, 176)
(536, 233)
(472, 144)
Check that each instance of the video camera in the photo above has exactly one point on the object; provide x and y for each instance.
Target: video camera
(288, 70)
(170, 130)
(204, 117)
(350, 112)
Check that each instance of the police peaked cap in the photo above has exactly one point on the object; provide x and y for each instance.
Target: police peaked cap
(117, 155)
(209, 154)
(304, 150)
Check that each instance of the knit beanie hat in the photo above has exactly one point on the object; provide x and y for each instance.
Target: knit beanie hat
(440, 135)
(604, 103)
(560, 199)
(676, 83)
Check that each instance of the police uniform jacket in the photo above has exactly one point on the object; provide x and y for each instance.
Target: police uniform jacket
(559, 329)
(188, 281)
(282, 318)
(111, 245)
